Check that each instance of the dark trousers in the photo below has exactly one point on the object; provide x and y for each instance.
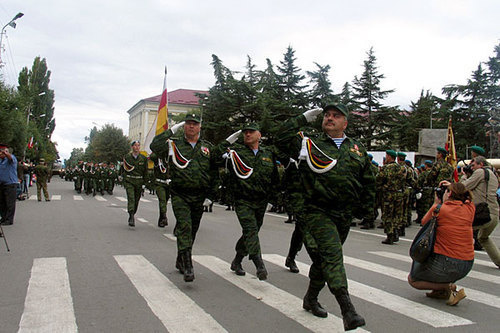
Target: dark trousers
(8, 202)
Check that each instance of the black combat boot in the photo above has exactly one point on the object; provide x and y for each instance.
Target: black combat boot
(311, 303)
(290, 263)
(395, 236)
(178, 264)
(389, 239)
(368, 224)
(188, 266)
(351, 319)
(290, 219)
(236, 265)
(402, 232)
(131, 220)
(259, 264)
(162, 220)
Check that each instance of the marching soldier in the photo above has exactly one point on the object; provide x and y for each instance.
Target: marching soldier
(391, 180)
(111, 179)
(78, 176)
(193, 173)
(338, 183)
(134, 172)
(161, 185)
(254, 180)
(407, 190)
(42, 174)
(441, 170)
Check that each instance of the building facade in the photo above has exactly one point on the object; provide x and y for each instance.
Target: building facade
(142, 115)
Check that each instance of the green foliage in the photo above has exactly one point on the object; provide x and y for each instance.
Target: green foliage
(12, 120)
(77, 154)
(107, 144)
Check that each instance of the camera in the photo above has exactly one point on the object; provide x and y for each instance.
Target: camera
(440, 191)
(468, 170)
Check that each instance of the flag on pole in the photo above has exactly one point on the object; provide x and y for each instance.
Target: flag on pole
(160, 123)
(452, 153)
(30, 143)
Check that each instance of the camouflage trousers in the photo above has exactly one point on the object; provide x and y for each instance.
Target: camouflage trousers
(405, 208)
(324, 235)
(42, 185)
(134, 192)
(162, 192)
(297, 237)
(251, 216)
(392, 210)
(188, 210)
(78, 183)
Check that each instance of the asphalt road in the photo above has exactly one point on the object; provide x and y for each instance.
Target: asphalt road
(75, 265)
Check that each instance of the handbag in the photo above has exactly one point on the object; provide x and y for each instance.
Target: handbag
(482, 214)
(423, 243)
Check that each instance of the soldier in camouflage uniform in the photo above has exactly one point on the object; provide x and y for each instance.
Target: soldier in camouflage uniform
(369, 221)
(427, 188)
(442, 170)
(134, 172)
(407, 190)
(391, 180)
(254, 182)
(78, 176)
(338, 184)
(161, 180)
(110, 179)
(193, 172)
(42, 174)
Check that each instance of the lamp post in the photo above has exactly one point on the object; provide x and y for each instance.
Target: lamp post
(12, 24)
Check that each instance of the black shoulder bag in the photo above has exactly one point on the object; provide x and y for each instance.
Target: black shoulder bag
(482, 215)
(423, 244)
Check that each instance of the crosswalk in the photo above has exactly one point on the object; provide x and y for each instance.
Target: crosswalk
(58, 197)
(48, 305)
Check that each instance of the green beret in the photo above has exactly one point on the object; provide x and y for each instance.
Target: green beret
(251, 126)
(392, 153)
(429, 162)
(478, 150)
(339, 107)
(193, 116)
(401, 154)
(442, 150)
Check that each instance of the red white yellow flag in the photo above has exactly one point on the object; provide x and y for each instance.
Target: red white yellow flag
(452, 153)
(160, 123)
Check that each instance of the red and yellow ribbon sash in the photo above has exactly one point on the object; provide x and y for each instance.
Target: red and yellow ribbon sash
(318, 161)
(179, 161)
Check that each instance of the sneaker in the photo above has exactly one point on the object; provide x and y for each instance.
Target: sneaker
(456, 296)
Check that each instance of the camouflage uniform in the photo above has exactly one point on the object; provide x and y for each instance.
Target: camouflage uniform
(407, 191)
(190, 185)
(391, 180)
(42, 174)
(161, 179)
(134, 172)
(331, 199)
(441, 170)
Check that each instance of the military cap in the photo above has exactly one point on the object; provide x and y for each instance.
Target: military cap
(401, 154)
(442, 150)
(478, 150)
(429, 162)
(392, 153)
(134, 142)
(339, 107)
(422, 166)
(408, 162)
(3, 145)
(193, 116)
(375, 163)
(251, 126)
(370, 155)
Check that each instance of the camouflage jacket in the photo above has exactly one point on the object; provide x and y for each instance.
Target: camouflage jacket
(441, 170)
(160, 170)
(134, 170)
(348, 188)
(42, 173)
(392, 178)
(264, 181)
(198, 177)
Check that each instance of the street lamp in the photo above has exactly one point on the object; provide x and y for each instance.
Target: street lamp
(12, 24)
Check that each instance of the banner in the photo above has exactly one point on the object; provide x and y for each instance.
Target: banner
(160, 123)
(452, 153)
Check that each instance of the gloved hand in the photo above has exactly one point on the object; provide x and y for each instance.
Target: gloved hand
(176, 127)
(312, 114)
(233, 137)
(225, 156)
(207, 203)
(143, 187)
(120, 178)
(418, 196)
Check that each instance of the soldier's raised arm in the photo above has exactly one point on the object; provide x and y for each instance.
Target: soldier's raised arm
(159, 145)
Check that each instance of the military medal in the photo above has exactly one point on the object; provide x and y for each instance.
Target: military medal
(241, 170)
(179, 161)
(317, 160)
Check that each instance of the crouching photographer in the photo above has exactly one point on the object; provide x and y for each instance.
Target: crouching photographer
(453, 254)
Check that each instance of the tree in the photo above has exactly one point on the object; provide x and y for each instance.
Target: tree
(77, 154)
(290, 81)
(321, 93)
(12, 120)
(371, 119)
(108, 144)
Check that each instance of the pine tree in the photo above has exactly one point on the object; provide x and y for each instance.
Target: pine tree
(321, 93)
(290, 81)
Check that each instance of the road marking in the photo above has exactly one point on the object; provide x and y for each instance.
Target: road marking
(113, 204)
(144, 200)
(171, 237)
(56, 197)
(100, 198)
(378, 235)
(472, 294)
(177, 312)
(125, 210)
(122, 199)
(33, 197)
(77, 197)
(280, 300)
(140, 219)
(48, 306)
(472, 274)
(414, 310)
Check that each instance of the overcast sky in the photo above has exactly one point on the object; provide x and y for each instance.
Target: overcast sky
(107, 55)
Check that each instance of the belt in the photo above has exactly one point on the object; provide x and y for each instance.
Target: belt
(163, 181)
(134, 177)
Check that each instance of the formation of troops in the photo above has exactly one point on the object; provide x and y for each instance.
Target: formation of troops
(323, 180)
